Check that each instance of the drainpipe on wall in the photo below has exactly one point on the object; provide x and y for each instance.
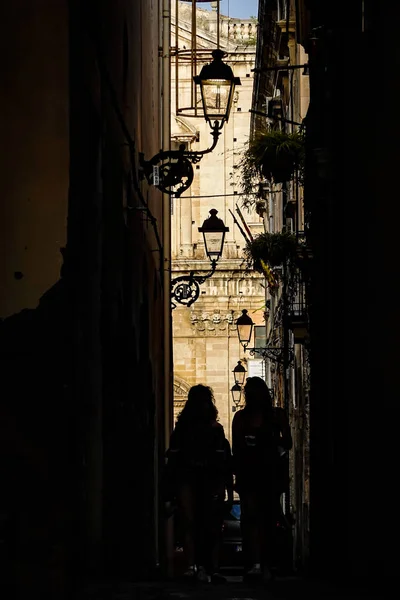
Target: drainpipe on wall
(168, 359)
(269, 227)
(268, 296)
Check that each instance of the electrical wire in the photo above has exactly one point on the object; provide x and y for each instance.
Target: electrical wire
(223, 195)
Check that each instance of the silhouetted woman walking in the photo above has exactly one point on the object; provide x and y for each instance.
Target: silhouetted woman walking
(197, 460)
(259, 431)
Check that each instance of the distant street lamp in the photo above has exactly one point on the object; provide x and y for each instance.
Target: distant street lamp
(244, 325)
(239, 373)
(236, 392)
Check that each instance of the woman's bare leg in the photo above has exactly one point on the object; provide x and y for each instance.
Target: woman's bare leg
(251, 526)
(186, 500)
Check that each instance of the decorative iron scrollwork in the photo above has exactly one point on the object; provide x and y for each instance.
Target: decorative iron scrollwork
(186, 289)
(275, 353)
(176, 174)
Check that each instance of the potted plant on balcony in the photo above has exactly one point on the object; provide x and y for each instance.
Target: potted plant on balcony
(271, 248)
(275, 154)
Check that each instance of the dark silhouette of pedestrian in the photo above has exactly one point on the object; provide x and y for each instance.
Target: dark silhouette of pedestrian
(198, 465)
(221, 509)
(260, 433)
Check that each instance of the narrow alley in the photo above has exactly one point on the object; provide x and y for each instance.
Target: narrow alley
(199, 194)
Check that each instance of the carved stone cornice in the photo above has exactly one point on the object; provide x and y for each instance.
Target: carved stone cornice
(214, 323)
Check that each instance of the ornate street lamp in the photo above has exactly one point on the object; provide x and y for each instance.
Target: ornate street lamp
(217, 85)
(236, 392)
(186, 289)
(213, 230)
(172, 171)
(239, 372)
(244, 325)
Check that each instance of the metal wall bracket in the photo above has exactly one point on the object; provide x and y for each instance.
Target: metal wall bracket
(273, 353)
(175, 171)
(186, 289)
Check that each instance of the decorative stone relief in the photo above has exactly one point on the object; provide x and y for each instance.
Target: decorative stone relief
(181, 390)
(214, 323)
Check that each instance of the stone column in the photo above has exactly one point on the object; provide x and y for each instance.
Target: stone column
(184, 217)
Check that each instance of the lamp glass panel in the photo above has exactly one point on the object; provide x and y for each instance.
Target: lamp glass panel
(236, 394)
(214, 241)
(216, 98)
(239, 377)
(244, 333)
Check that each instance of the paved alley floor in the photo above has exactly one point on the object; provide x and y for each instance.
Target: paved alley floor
(286, 588)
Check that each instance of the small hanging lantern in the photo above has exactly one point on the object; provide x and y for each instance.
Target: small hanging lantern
(239, 373)
(236, 392)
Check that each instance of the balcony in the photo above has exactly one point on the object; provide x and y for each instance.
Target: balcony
(297, 315)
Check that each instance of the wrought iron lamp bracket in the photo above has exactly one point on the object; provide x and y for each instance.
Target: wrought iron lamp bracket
(273, 353)
(186, 289)
(175, 171)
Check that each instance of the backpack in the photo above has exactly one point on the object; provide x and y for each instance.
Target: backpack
(200, 448)
(262, 456)
(204, 448)
(259, 450)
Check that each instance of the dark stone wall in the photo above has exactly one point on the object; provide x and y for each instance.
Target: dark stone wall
(353, 320)
(82, 372)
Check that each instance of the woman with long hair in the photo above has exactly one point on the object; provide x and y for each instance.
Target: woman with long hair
(259, 431)
(199, 407)
(197, 458)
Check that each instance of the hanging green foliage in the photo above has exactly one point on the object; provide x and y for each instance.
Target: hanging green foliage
(273, 155)
(272, 248)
